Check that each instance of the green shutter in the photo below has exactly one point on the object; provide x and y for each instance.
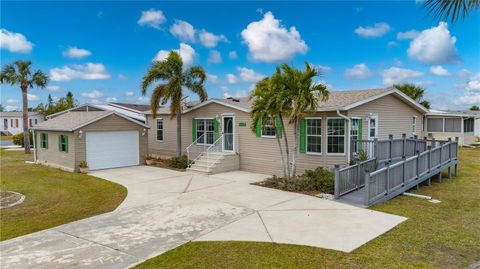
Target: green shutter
(59, 143)
(66, 143)
(360, 134)
(303, 136)
(215, 129)
(46, 141)
(279, 127)
(258, 129)
(194, 130)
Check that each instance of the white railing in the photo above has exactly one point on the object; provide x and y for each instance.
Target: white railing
(216, 147)
(196, 150)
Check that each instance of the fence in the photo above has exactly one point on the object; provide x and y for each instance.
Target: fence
(352, 177)
(392, 180)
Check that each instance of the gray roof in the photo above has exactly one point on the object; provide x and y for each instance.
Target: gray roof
(18, 113)
(73, 120)
(136, 107)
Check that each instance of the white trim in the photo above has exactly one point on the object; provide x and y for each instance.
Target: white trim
(269, 136)
(73, 108)
(414, 128)
(393, 90)
(156, 130)
(233, 132)
(216, 102)
(321, 136)
(204, 131)
(376, 126)
(344, 138)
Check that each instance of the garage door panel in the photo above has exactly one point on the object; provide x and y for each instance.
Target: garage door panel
(112, 149)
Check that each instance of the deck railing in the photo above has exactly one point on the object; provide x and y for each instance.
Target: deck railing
(391, 180)
(198, 148)
(352, 177)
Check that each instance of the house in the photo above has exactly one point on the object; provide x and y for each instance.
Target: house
(102, 138)
(134, 111)
(442, 125)
(217, 135)
(12, 121)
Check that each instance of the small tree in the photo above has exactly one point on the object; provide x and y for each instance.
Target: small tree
(415, 92)
(19, 73)
(474, 108)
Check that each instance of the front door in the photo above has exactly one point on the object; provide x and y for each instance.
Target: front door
(228, 125)
(372, 133)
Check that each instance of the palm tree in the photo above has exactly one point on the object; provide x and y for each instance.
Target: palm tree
(474, 108)
(415, 92)
(172, 78)
(270, 102)
(451, 9)
(19, 73)
(304, 96)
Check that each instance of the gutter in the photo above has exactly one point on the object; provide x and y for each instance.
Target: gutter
(348, 142)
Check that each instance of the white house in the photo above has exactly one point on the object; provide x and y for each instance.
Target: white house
(12, 121)
(442, 125)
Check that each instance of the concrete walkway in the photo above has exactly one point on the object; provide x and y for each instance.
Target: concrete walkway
(165, 209)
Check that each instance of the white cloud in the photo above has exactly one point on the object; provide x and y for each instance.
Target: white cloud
(12, 105)
(54, 88)
(88, 71)
(32, 97)
(471, 93)
(394, 75)
(464, 73)
(378, 30)
(269, 41)
(358, 71)
(237, 94)
(11, 108)
(186, 52)
(407, 35)
(152, 17)
(183, 31)
(244, 75)
(111, 99)
(14, 42)
(231, 78)
(212, 78)
(144, 99)
(211, 40)
(129, 94)
(324, 68)
(214, 57)
(434, 46)
(12, 102)
(424, 83)
(438, 70)
(232, 55)
(92, 95)
(74, 52)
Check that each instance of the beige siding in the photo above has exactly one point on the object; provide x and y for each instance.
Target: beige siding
(109, 124)
(52, 155)
(394, 117)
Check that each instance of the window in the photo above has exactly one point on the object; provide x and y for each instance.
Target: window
(435, 125)
(11, 123)
(414, 125)
(267, 128)
(63, 143)
(314, 135)
(205, 130)
(16, 123)
(372, 131)
(354, 132)
(468, 125)
(36, 121)
(453, 125)
(44, 141)
(160, 130)
(335, 135)
(30, 122)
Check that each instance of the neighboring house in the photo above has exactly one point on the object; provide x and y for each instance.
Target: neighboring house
(134, 111)
(104, 139)
(442, 125)
(223, 125)
(12, 121)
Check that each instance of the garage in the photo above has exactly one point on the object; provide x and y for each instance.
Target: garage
(112, 149)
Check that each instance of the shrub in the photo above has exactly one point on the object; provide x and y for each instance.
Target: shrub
(317, 180)
(83, 164)
(18, 139)
(178, 162)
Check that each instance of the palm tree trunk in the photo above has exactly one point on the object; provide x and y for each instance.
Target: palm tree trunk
(26, 135)
(285, 165)
(179, 132)
(287, 149)
(295, 148)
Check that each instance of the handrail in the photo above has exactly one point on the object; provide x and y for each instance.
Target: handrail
(209, 150)
(194, 143)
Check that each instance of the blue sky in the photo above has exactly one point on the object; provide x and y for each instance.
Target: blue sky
(100, 51)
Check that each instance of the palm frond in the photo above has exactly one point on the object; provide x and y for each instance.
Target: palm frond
(451, 9)
(39, 79)
(157, 96)
(194, 79)
(9, 75)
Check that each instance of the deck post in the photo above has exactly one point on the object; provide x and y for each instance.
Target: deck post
(375, 148)
(415, 137)
(404, 170)
(440, 176)
(433, 142)
(390, 144)
(429, 165)
(367, 187)
(455, 169)
(404, 137)
(336, 169)
(418, 163)
(387, 185)
(358, 176)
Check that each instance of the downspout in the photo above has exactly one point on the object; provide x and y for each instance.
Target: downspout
(34, 147)
(348, 134)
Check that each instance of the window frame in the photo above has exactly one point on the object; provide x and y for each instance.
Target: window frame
(414, 125)
(162, 130)
(359, 119)
(44, 140)
(307, 135)
(62, 143)
(205, 130)
(344, 137)
(272, 127)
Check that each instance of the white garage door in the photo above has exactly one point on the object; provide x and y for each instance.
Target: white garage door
(112, 149)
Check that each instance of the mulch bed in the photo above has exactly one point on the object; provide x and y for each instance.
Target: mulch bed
(165, 164)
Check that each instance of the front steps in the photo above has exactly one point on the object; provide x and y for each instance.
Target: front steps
(218, 162)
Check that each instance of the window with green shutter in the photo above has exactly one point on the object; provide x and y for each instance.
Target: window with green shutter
(194, 130)
(44, 140)
(63, 143)
(303, 136)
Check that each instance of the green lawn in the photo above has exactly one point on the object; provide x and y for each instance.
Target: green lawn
(53, 196)
(445, 235)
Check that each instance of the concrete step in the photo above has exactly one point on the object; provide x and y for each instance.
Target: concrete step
(199, 170)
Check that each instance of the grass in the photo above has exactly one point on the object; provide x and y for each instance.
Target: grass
(444, 235)
(53, 196)
(6, 137)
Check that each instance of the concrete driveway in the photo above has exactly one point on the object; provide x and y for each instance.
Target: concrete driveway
(165, 209)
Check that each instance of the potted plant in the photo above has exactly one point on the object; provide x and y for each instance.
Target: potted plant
(83, 167)
(149, 160)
